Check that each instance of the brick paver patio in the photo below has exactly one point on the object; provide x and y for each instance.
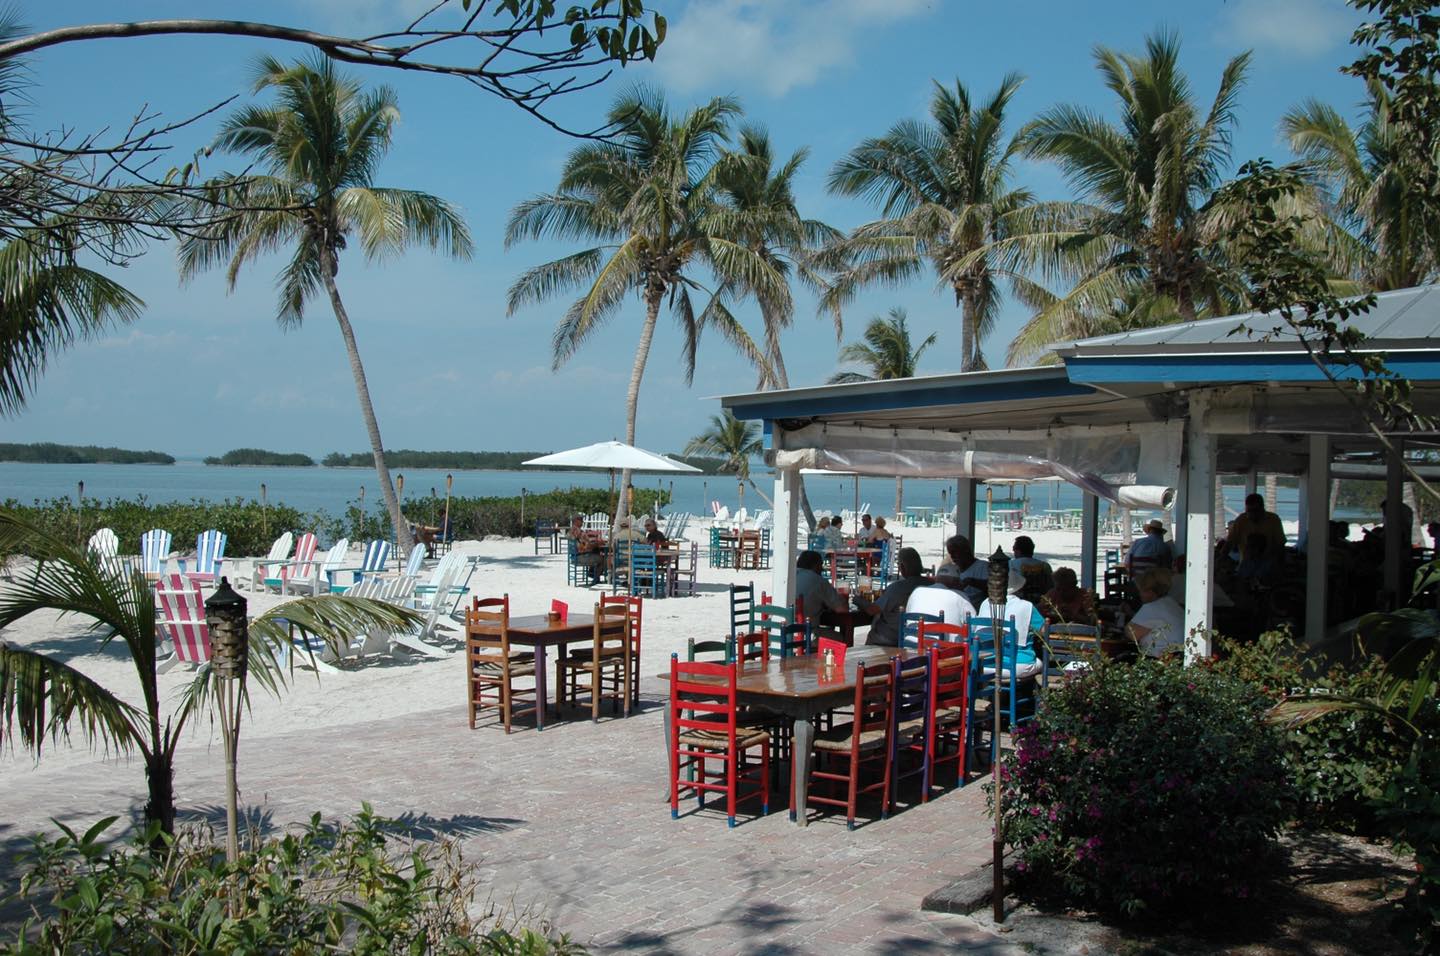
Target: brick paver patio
(570, 825)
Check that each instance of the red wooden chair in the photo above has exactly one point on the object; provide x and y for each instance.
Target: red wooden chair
(938, 632)
(493, 668)
(636, 604)
(948, 711)
(704, 726)
(861, 745)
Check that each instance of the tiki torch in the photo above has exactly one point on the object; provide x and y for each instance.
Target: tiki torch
(229, 654)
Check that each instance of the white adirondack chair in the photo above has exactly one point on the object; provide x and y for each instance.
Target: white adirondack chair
(279, 554)
(183, 614)
(154, 552)
(209, 555)
(320, 574)
(397, 591)
(105, 546)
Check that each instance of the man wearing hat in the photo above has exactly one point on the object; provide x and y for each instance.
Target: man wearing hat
(1151, 551)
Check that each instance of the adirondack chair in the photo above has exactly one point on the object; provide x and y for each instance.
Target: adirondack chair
(459, 589)
(442, 593)
(397, 591)
(302, 565)
(321, 573)
(415, 562)
(154, 552)
(183, 619)
(279, 553)
(372, 562)
(209, 554)
(105, 546)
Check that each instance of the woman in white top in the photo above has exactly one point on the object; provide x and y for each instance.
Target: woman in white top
(1159, 626)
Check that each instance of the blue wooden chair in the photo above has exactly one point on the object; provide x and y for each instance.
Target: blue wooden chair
(1017, 672)
(209, 555)
(372, 562)
(154, 552)
(771, 620)
(645, 575)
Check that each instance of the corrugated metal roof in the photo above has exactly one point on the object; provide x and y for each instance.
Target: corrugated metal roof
(1405, 317)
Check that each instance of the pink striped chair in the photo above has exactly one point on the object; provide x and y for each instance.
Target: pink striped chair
(183, 617)
(300, 566)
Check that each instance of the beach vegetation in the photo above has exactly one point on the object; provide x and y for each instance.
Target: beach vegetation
(44, 699)
(649, 201)
(1146, 787)
(363, 885)
(317, 151)
(259, 456)
(885, 352)
(52, 454)
(945, 195)
(1140, 245)
(479, 518)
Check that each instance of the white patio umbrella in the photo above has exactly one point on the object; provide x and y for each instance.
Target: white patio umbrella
(611, 456)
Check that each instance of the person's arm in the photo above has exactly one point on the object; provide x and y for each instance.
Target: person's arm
(831, 598)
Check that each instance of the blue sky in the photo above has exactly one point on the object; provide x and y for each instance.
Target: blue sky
(205, 370)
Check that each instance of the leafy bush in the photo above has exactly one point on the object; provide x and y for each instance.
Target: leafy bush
(353, 887)
(479, 517)
(249, 527)
(1144, 786)
(1410, 808)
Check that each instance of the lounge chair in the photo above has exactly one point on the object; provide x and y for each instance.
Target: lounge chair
(302, 565)
(320, 574)
(398, 591)
(209, 554)
(372, 562)
(105, 546)
(279, 553)
(154, 552)
(183, 618)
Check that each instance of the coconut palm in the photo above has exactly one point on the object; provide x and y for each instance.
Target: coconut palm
(43, 697)
(1141, 239)
(736, 442)
(759, 208)
(1378, 239)
(886, 352)
(944, 192)
(648, 198)
(48, 300)
(318, 150)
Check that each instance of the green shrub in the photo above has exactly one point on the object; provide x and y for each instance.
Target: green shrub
(1340, 763)
(1145, 786)
(354, 887)
(249, 527)
(1410, 809)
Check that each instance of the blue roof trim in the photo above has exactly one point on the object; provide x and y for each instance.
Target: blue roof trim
(974, 393)
(1206, 369)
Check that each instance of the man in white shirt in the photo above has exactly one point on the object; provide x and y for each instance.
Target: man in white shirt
(867, 529)
(1159, 626)
(943, 599)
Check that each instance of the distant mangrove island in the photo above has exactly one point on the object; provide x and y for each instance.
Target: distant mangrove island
(49, 453)
(260, 456)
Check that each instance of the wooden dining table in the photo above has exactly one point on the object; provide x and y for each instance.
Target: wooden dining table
(539, 632)
(800, 688)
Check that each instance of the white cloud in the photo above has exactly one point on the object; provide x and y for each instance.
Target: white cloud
(778, 46)
(1303, 28)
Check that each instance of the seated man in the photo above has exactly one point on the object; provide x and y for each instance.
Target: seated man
(1038, 575)
(1258, 566)
(813, 593)
(589, 549)
(970, 571)
(1150, 551)
(1067, 602)
(866, 534)
(653, 534)
(1159, 626)
(886, 609)
(624, 537)
(834, 536)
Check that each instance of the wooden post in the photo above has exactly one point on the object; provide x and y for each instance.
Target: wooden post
(264, 513)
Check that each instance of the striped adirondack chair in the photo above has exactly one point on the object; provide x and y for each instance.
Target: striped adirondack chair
(394, 590)
(322, 573)
(428, 593)
(302, 565)
(372, 562)
(279, 554)
(154, 552)
(209, 554)
(415, 561)
(183, 618)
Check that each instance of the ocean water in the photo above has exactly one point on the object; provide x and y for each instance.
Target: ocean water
(334, 489)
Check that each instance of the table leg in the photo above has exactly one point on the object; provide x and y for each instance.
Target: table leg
(541, 685)
(669, 784)
(801, 743)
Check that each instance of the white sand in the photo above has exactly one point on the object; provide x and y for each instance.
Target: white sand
(386, 686)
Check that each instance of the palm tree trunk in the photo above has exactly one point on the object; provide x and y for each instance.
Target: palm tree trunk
(367, 410)
(653, 296)
(160, 777)
(782, 380)
(899, 498)
(763, 497)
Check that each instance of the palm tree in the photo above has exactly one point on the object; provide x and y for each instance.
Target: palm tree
(319, 148)
(48, 300)
(648, 198)
(1378, 238)
(945, 195)
(759, 209)
(41, 696)
(735, 441)
(885, 353)
(1139, 241)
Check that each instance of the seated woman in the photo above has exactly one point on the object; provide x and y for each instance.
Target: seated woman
(1159, 626)
(1067, 602)
(589, 549)
(881, 533)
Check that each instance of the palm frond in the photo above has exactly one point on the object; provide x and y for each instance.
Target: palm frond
(44, 698)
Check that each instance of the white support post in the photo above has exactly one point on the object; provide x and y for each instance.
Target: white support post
(1199, 536)
(1252, 483)
(1316, 505)
(965, 507)
(1089, 538)
(787, 512)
